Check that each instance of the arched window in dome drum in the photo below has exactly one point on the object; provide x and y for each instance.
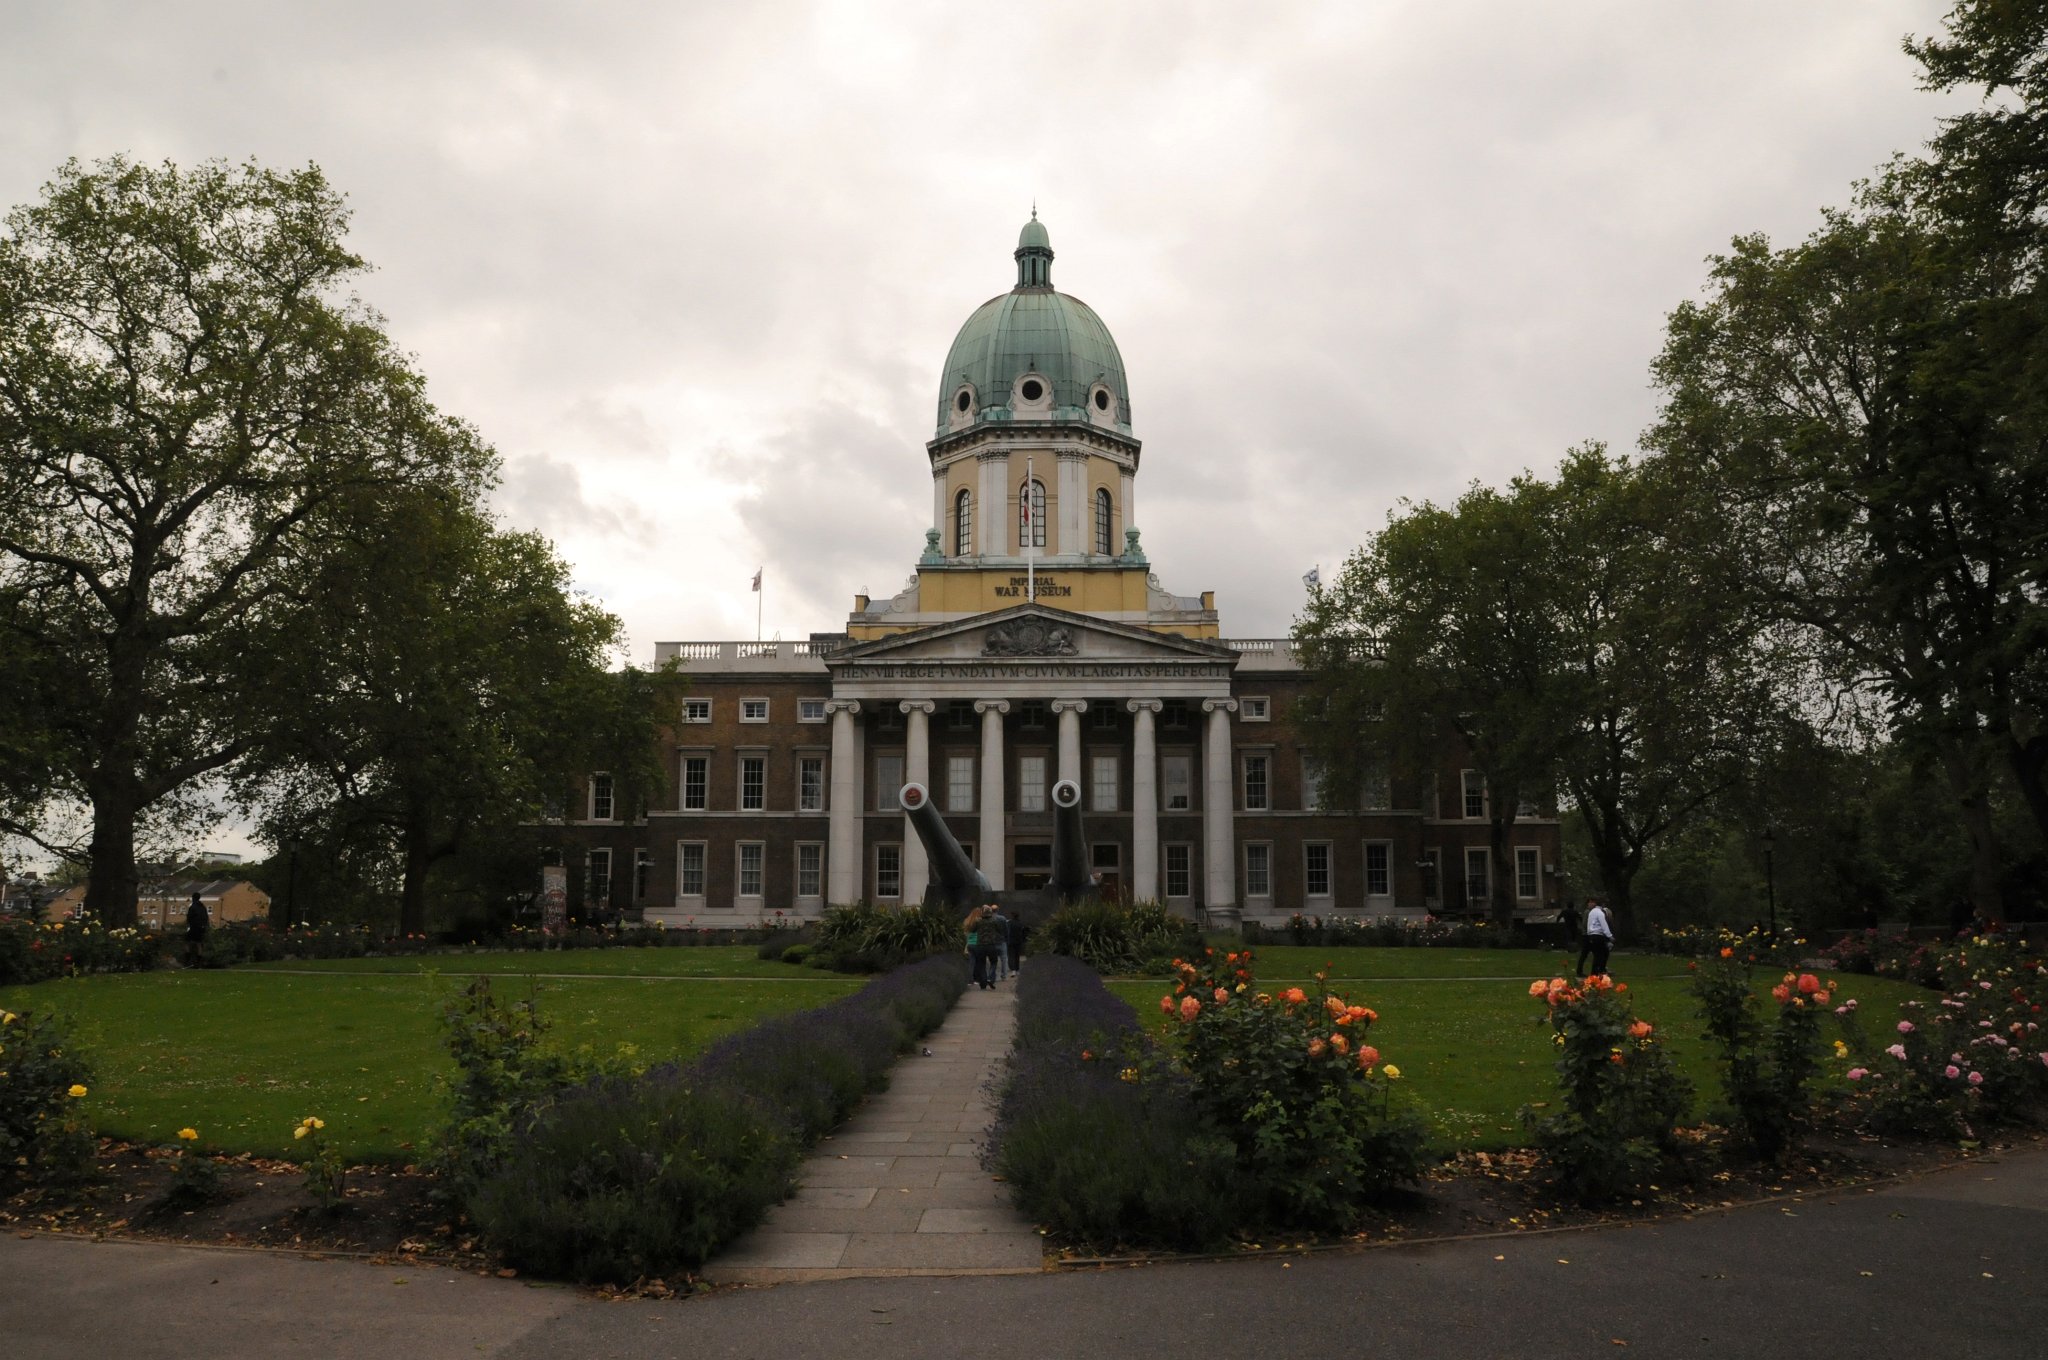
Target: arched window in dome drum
(1103, 525)
(963, 524)
(1031, 515)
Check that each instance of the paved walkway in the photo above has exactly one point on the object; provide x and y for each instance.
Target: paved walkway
(898, 1190)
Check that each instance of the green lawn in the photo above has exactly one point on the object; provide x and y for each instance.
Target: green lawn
(1472, 1047)
(244, 1054)
(697, 961)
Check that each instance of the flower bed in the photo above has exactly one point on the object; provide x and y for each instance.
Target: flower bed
(1391, 932)
(1267, 1111)
(624, 1177)
(33, 952)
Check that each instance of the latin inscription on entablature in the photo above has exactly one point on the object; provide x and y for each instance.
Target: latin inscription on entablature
(1033, 670)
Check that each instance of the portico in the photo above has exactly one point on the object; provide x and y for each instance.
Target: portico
(1011, 669)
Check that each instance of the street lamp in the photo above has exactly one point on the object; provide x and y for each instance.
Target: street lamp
(1770, 877)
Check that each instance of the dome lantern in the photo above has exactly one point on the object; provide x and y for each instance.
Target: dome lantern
(1033, 337)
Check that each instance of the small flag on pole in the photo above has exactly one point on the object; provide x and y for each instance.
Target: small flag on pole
(1314, 579)
(757, 577)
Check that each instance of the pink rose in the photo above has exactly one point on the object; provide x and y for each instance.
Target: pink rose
(1897, 1051)
(1951, 1071)
(1905, 1026)
(1858, 1073)
(1976, 1079)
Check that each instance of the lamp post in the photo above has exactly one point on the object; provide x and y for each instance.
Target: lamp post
(1770, 877)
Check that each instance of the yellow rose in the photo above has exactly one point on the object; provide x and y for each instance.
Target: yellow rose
(1393, 1072)
(77, 1091)
(6, 1017)
(299, 1132)
(189, 1135)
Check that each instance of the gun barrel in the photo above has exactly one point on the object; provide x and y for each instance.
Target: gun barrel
(954, 876)
(1070, 872)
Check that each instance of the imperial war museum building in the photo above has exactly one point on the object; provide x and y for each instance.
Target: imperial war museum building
(1033, 644)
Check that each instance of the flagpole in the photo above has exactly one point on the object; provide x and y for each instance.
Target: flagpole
(760, 596)
(1030, 533)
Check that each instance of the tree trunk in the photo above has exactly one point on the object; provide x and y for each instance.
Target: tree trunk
(1968, 781)
(2029, 760)
(113, 882)
(1501, 887)
(412, 899)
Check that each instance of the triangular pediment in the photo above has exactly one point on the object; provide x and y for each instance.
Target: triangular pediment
(1028, 632)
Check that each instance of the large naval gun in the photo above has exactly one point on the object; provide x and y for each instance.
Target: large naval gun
(957, 886)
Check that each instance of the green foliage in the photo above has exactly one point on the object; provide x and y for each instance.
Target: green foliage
(503, 1074)
(635, 1179)
(1621, 1097)
(326, 1173)
(1292, 1080)
(1116, 937)
(192, 391)
(44, 1134)
(865, 938)
(33, 951)
(195, 1177)
(1767, 1064)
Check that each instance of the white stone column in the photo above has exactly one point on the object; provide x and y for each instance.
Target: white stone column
(1074, 508)
(843, 839)
(939, 509)
(990, 849)
(1130, 509)
(992, 537)
(1144, 803)
(1219, 846)
(917, 769)
(1070, 711)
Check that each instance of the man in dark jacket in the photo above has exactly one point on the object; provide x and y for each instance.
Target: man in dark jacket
(1018, 930)
(197, 924)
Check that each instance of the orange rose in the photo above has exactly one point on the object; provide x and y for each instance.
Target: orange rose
(1782, 992)
(1294, 996)
(1189, 1008)
(1639, 1030)
(1808, 983)
(1339, 1042)
(1166, 1005)
(1539, 988)
(1222, 995)
(1316, 1047)
(1368, 1057)
(1726, 952)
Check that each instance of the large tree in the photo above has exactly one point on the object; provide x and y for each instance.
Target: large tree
(1575, 634)
(443, 684)
(1867, 407)
(186, 388)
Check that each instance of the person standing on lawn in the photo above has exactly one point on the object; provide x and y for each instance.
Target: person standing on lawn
(1599, 939)
(197, 923)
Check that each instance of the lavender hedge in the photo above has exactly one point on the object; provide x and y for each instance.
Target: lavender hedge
(1098, 1139)
(620, 1179)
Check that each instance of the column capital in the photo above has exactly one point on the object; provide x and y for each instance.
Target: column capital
(992, 456)
(1143, 705)
(1069, 705)
(842, 706)
(1071, 455)
(991, 705)
(1219, 705)
(916, 706)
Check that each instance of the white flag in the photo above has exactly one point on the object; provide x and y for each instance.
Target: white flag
(1314, 579)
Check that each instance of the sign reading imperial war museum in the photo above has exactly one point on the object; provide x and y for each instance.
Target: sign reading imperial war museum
(1033, 646)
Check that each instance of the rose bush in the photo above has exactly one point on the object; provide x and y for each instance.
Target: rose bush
(1767, 1063)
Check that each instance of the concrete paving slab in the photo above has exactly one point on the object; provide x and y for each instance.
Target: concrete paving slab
(967, 1221)
(788, 1250)
(954, 1251)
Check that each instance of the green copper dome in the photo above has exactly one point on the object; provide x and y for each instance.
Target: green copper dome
(1033, 332)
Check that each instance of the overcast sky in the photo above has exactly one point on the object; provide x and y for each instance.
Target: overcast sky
(693, 268)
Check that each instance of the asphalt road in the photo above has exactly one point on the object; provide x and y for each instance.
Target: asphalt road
(1953, 1265)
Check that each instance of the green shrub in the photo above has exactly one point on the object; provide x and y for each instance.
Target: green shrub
(502, 1077)
(796, 953)
(1112, 937)
(635, 1178)
(866, 938)
(44, 1134)
(1621, 1095)
(1295, 1083)
(1766, 1066)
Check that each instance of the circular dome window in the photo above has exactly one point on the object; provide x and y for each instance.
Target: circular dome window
(963, 401)
(1032, 389)
(1101, 400)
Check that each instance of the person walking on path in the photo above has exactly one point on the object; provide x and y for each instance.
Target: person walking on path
(196, 925)
(1571, 927)
(995, 935)
(981, 944)
(1018, 930)
(1599, 939)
